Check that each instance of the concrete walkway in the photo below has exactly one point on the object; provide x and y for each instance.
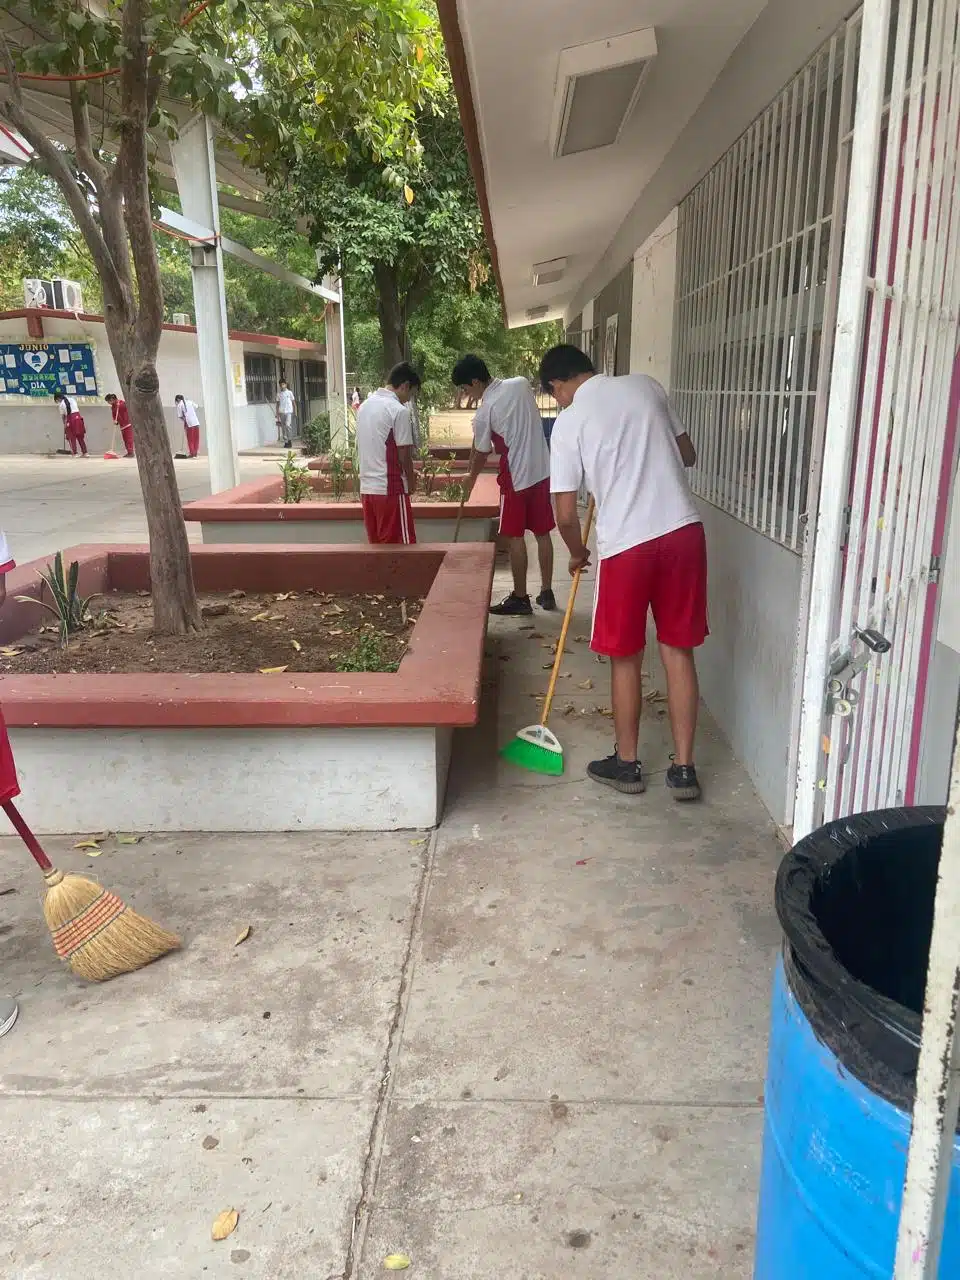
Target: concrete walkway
(527, 1045)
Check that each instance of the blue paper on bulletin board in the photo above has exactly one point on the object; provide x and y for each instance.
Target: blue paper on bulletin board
(39, 369)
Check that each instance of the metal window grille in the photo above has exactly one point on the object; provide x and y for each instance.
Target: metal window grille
(892, 423)
(757, 267)
(260, 373)
(315, 379)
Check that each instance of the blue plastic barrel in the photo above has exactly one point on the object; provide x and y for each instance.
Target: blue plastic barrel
(856, 903)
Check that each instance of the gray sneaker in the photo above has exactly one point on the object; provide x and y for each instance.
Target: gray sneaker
(8, 1014)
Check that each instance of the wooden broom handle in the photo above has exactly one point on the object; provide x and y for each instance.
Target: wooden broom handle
(555, 674)
(26, 835)
(456, 532)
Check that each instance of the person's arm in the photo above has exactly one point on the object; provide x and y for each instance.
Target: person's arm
(566, 478)
(6, 563)
(482, 446)
(403, 438)
(688, 454)
(405, 453)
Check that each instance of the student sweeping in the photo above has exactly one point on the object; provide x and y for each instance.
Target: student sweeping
(8, 775)
(74, 427)
(187, 413)
(508, 420)
(385, 448)
(622, 436)
(121, 416)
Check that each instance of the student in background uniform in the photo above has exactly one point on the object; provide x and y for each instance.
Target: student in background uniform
(8, 775)
(385, 449)
(118, 409)
(187, 413)
(508, 420)
(74, 426)
(622, 436)
(286, 408)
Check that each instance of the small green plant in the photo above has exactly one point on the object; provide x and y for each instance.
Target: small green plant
(296, 479)
(367, 654)
(454, 491)
(341, 469)
(316, 435)
(69, 607)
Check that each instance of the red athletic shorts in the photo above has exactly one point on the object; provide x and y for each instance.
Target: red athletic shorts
(388, 517)
(667, 575)
(9, 787)
(526, 509)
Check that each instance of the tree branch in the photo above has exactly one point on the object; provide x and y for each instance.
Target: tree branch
(417, 293)
(13, 109)
(109, 195)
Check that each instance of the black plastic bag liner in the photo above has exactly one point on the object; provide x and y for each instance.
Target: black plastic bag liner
(855, 900)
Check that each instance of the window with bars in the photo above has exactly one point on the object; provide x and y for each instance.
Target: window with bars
(315, 379)
(260, 374)
(757, 267)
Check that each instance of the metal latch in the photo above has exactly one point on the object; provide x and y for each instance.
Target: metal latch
(841, 699)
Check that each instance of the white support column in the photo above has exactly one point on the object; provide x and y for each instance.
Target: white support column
(930, 1159)
(337, 394)
(195, 167)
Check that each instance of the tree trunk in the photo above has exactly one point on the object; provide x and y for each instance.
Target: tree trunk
(390, 313)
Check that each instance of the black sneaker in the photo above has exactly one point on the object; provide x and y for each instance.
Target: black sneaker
(547, 600)
(619, 774)
(682, 782)
(512, 606)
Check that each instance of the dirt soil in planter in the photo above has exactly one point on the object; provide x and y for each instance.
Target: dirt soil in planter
(348, 495)
(306, 631)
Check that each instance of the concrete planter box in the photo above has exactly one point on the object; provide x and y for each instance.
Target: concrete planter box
(163, 752)
(251, 513)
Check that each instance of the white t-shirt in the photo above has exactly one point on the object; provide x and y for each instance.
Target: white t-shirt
(6, 556)
(620, 435)
(66, 407)
(383, 428)
(509, 420)
(285, 401)
(187, 413)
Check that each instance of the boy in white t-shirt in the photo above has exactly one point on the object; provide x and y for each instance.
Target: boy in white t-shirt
(286, 408)
(385, 450)
(508, 420)
(622, 436)
(190, 418)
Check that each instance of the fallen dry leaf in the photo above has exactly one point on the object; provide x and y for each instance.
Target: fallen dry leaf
(261, 617)
(396, 1262)
(244, 934)
(579, 639)
(548, 666)
(334, 608)
(297, 645)
(271, 671)
(88, 844)
(10, 651)
(569, 709)
(225, 1224)
(236, 594)
(535, 635)
(275, 617)
(286, 595)
(129, 839)
(547, 644)
(423, 841)
(585, 684)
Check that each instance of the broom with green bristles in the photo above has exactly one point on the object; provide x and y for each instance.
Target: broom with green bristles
(537, 748)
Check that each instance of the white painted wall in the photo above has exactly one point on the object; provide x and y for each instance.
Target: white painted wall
(324, 779)
(31, 427)
(654, 284)
(746, 666)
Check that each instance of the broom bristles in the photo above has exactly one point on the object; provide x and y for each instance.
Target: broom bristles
(97, 934)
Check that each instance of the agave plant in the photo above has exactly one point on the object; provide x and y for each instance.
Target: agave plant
(69, 607)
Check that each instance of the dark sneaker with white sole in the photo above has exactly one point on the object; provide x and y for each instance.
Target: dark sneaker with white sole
(682, 782)
(512, 606)
(547, 600)
(622, 775)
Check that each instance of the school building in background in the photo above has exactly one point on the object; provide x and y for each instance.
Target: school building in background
(43, 350)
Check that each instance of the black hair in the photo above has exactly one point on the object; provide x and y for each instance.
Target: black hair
(401, 373)
(111, 395)
(58, 395)
(283, 382)
(563, 362)
(470, 369)
(176, 398)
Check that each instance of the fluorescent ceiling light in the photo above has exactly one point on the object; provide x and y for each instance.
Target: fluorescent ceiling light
(596, 90)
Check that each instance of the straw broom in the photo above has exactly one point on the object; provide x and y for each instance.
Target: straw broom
(93, 930)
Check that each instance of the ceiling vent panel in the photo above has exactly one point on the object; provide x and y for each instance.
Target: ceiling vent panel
(597, 89)
(537, 313)
(549, 272)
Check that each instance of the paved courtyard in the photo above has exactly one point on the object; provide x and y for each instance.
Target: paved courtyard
(529, 1044)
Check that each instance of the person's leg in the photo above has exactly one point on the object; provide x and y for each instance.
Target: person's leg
(627, 699)
(126, 434)
(518, 565)
(72, 439)
(545, 556)
(193, 441)
(683, 699)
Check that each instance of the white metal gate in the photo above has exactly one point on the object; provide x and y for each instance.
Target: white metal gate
(891, 419)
